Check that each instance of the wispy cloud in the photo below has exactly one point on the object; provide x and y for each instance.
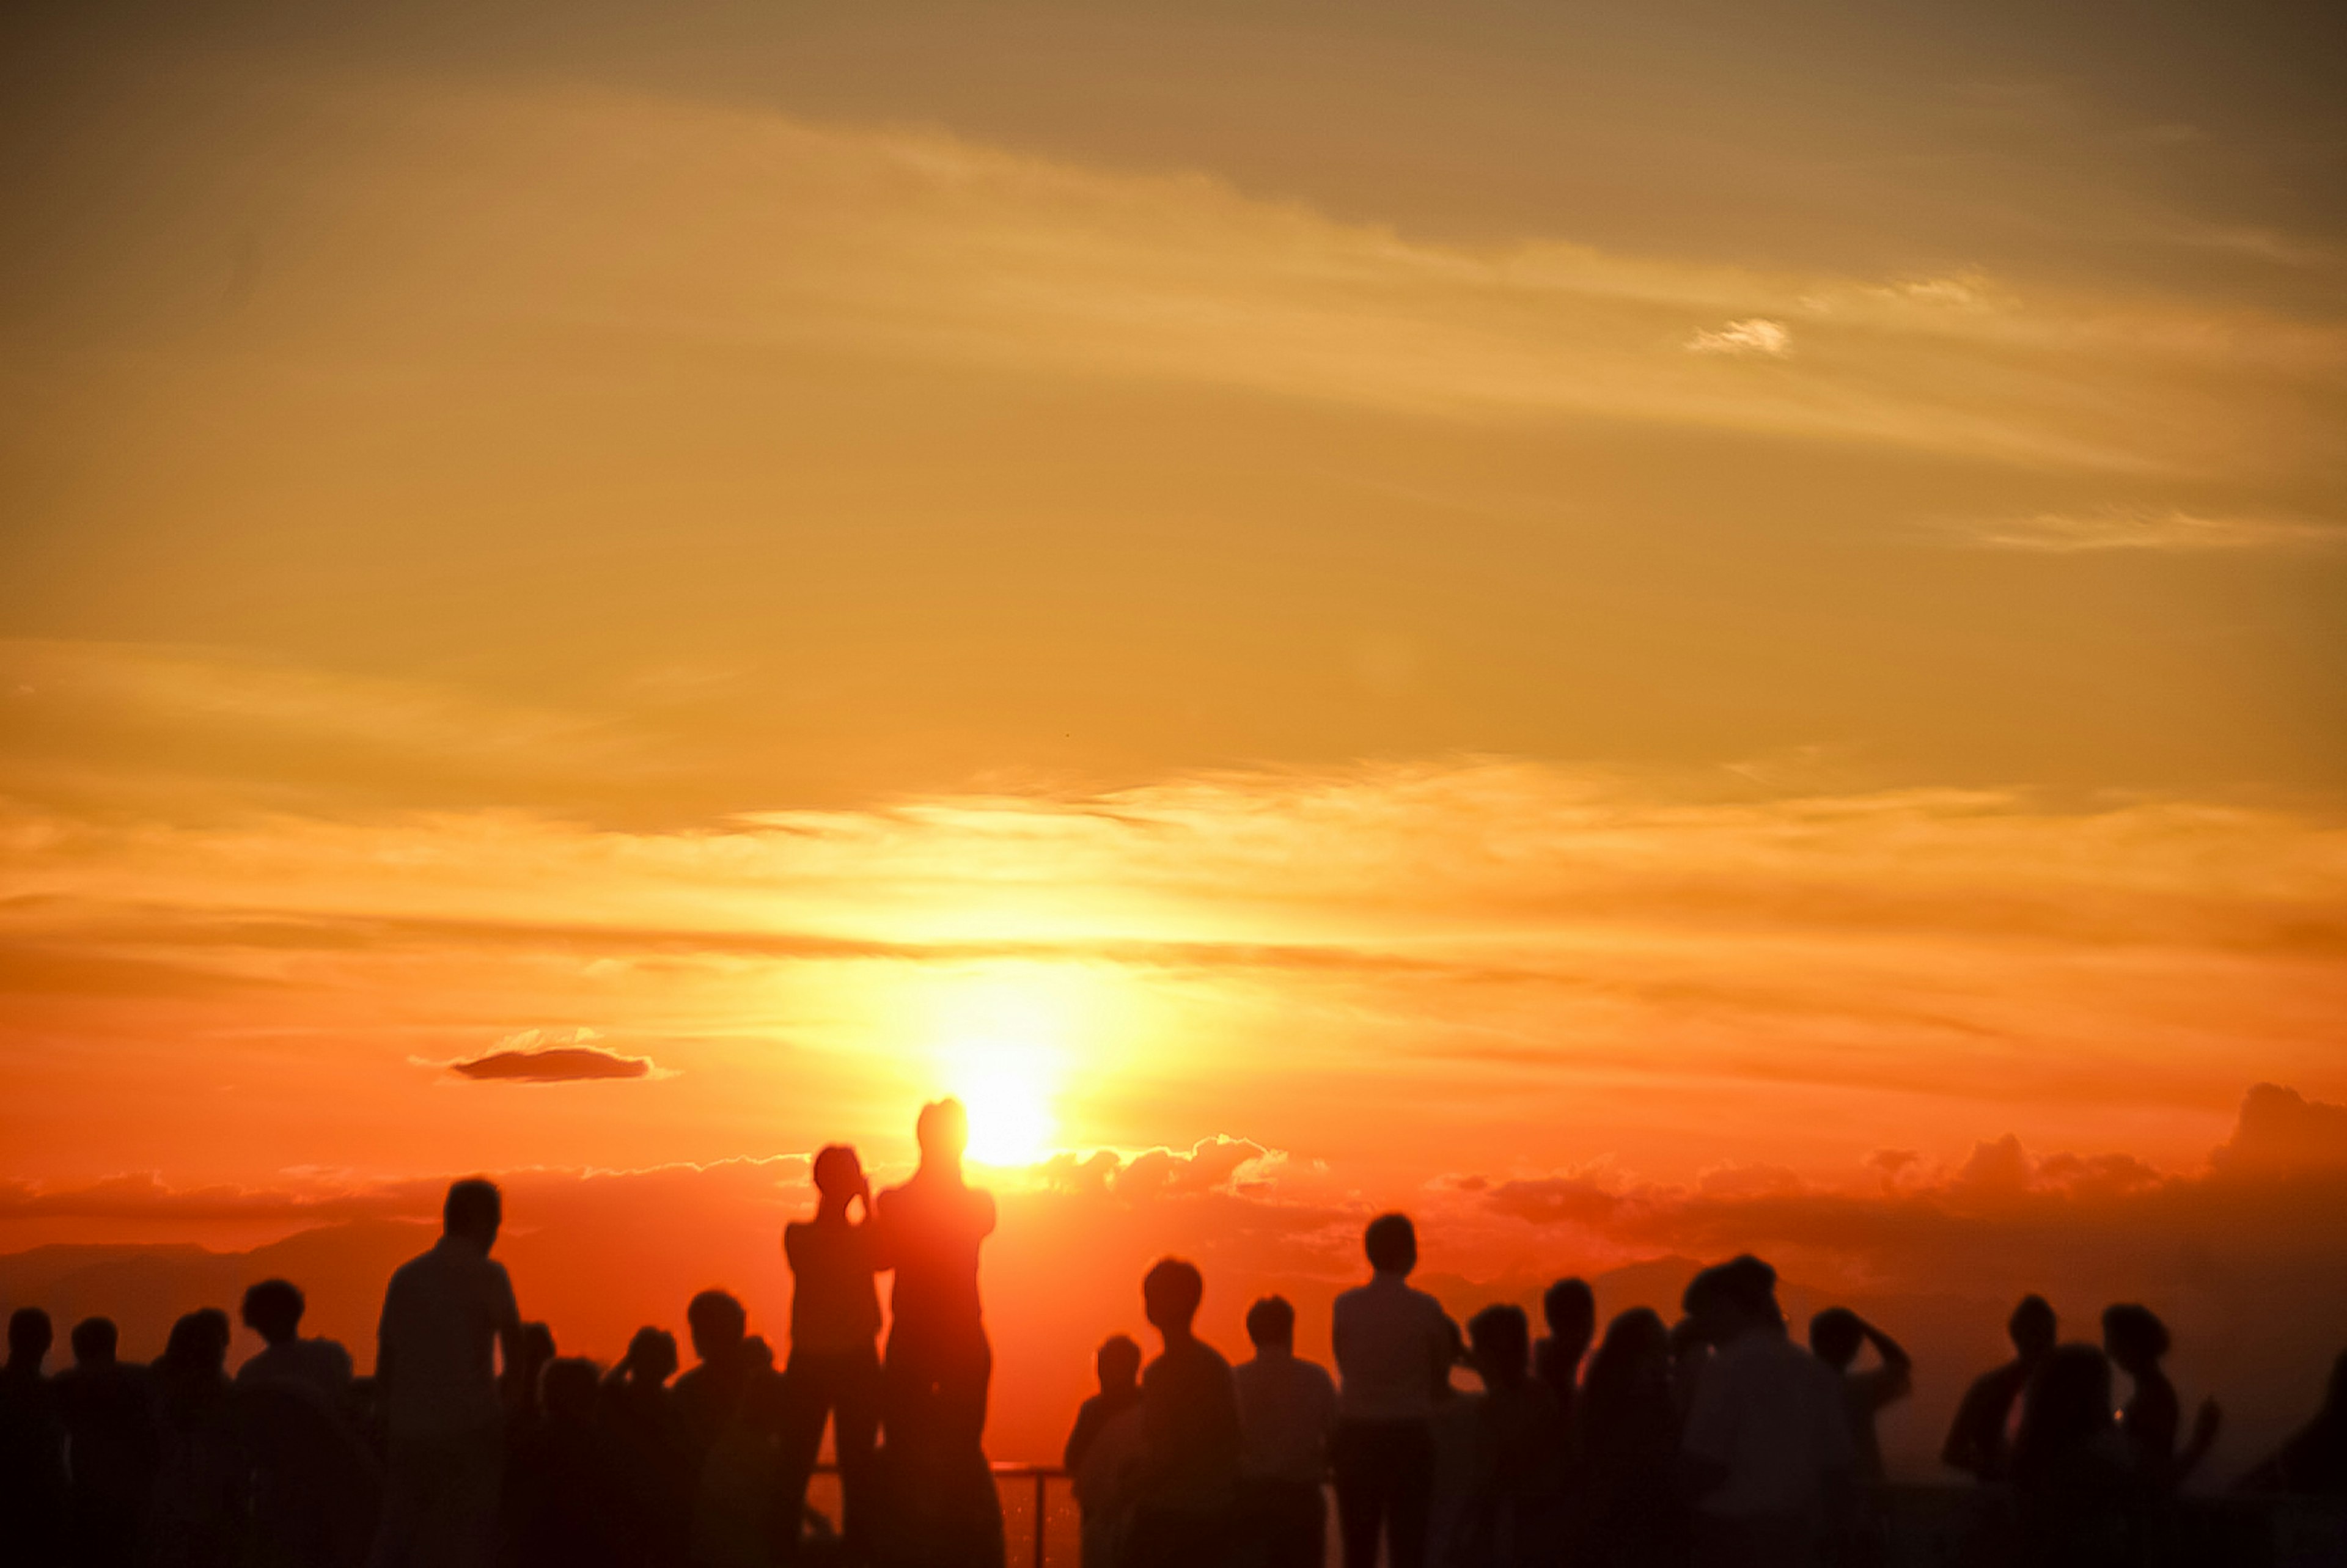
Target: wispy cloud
(2168, 531)
(1767, 338)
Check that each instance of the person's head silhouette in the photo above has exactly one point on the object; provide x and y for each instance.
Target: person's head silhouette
(1570, 1308)
(1727, 1298)
(1392, 1242)
(718, 1325)
(1835, 1335)
(30, 1335)
(198, 1344)
(1636, 1340)
(272, 1310)
(567, 1390)
(94, 1342)
(942, 1130)
(838, 1175)
(1118, 1364)
(652, 1357)
(2135, 1337)
(473, 1211)
(2033, 1329)
(1271, 1327)
(1169, 1294)
(1499, 1342)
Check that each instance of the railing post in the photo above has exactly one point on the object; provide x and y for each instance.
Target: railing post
(1043, 1481)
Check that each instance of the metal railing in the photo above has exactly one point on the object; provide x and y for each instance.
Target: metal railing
(1926, 1521)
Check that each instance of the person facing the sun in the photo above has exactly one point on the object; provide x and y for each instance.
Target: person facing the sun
(835, 1319)
(934, 1378)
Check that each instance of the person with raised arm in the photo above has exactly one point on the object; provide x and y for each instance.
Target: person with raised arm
(835, 1369)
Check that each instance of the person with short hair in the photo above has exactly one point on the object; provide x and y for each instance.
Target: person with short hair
(707, 1395)
(1395, 1346)
(1979, 1437)
(31, 1441)
(1287, 1408)
(1569, 1309)
(108, 1411)
(446, 1315)
(1103, 1449)
(272, 1310)
(1187, 1480)
(1766, 1449)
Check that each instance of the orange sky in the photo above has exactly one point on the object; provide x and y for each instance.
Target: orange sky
(1718, 599)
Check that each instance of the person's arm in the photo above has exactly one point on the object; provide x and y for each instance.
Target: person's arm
(384, 1369)
(1963, 1450)
(1898, 1368)
(2205, 1426)
(1080, 1438)
(505, 1313)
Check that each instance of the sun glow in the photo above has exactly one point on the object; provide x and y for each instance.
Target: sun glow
(1004, 1041)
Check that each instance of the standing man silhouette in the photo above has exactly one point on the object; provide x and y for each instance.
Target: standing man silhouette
(1394, 1349)
(934, 1379)
(445, 1317)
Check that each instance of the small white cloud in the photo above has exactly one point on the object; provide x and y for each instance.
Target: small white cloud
(2125, 529)
(1754, 336)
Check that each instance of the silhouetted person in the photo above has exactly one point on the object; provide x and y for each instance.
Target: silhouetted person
(32, 1444)
(707, 1395)
(107, 1410)
(2080, 1497)
(1569, 1309)
(2313, 1462)
(2136, 1340)
(1288, 1410)
(943, 1506)
(1188, 1484)
(648, 1438)
(736, 1515)
(1625, 1511)
(567, 1493)
(203, 1474)
(1767, 1448)
(445, 1316)
(1104, 1449)
(834, 1367)
(1495, 1500)
(932, 1228)
(1395, 1346)
(1979, 1440)
(272, 1310)
(1835, 1335)
(1117, 1366)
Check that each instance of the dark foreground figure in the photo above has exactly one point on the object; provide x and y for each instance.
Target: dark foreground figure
(1717, 1442)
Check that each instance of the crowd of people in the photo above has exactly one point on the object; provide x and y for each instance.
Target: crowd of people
(1716, 1440)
